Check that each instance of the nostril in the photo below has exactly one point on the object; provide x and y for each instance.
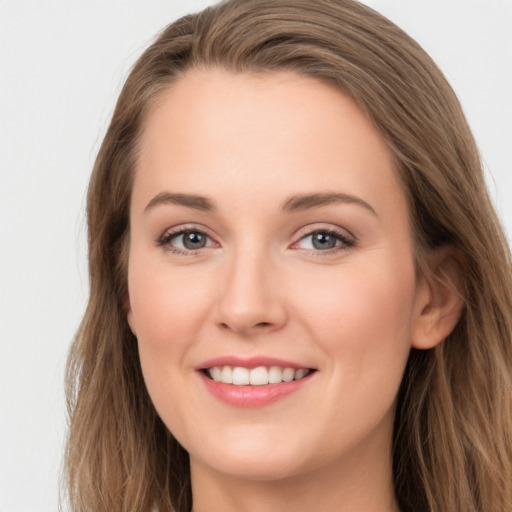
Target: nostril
(255, 327)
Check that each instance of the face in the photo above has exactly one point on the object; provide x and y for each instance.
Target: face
(271, 278)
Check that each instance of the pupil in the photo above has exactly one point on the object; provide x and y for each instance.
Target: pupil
(194, 240)
(323, 241)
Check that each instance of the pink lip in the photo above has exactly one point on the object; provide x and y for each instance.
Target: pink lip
(252, 396)
(250, 362)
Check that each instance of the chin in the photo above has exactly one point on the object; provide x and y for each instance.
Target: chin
(267, 460)
(256, 468)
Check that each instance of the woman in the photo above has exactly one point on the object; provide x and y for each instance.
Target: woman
(300, 294)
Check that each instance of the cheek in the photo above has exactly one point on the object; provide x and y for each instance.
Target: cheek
(363, 312)
(361, 319)
(165, 304)
(168, 309)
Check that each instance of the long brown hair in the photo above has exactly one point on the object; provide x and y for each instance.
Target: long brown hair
(452, 445)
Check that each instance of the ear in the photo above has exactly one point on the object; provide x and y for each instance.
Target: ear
(439, 299)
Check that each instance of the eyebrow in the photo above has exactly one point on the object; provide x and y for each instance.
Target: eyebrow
(292, 204)
(306, 201)
(189, 200)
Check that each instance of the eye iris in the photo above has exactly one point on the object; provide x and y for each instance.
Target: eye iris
(194, 240)
(323, 241)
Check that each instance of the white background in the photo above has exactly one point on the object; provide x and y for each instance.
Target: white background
(61, 67)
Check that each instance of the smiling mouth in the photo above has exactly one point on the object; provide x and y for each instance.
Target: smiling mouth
(259, 376)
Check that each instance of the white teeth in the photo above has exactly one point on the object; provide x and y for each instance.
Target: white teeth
(299, 374)
(215, 374)
(240, 376)
(260, 376)
(275, 375)
(288, 374)
(226, 375)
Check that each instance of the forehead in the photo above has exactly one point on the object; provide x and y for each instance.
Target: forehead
(273, 133)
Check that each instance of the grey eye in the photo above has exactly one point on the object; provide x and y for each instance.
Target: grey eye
(322, 240)
(186, 241)
(193, 240)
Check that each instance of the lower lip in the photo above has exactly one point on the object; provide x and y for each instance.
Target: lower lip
(252, 396)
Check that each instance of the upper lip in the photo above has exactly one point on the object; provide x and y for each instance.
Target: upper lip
(249, 362)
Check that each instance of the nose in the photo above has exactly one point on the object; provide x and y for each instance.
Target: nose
(250, 297)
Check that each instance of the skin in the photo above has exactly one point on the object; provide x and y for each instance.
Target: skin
(248, 143)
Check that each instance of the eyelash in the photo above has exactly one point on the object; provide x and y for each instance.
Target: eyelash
(168, 236)
(346, 241)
